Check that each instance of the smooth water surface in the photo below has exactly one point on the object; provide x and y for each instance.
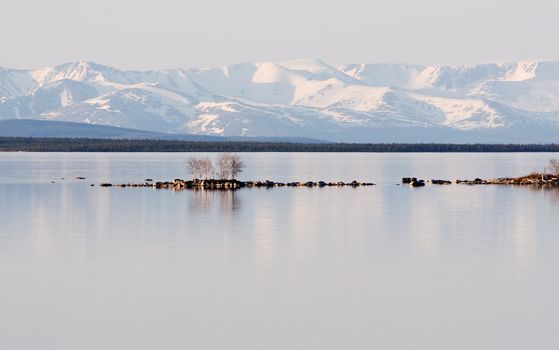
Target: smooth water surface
(383, 267)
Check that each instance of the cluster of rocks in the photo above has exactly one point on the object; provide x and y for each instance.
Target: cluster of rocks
(307, 184)
(413, 181)
(534, 179)
(212, 184)
(476, 181)
(440, 182)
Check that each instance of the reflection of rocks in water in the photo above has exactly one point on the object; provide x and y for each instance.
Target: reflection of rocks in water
(551, 192)
(210, 200)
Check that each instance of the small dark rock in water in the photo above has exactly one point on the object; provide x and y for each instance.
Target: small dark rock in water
(92, 185)
(52, 182)
(80, 178)
(148, 180)
(106, 185)
(440, 182)
(406, 180)
(417, 183)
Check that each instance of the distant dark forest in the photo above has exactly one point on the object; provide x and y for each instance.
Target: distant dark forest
(24, 144)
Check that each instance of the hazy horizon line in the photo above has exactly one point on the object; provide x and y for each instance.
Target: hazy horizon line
(283, 61)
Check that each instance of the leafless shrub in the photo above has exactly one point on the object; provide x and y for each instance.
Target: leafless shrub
(206, 168)
(193, 166)
(553, 167)
(229, 166)
(236, 165)
(224, 166)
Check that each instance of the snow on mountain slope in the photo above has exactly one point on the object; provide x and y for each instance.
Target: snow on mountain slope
(234, 118)
(15, 83)
(316, 70)
(61, 93)
(523, 71)
(143, 108)
(263, 82)
(306, 98)
(470, 114)
(530, 95)
(458, 77)
(48, 97)
(383, 75)
(80, 71)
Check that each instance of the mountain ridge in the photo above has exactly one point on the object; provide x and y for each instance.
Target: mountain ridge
(299, 98)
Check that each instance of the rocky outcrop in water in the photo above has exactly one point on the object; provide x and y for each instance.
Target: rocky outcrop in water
(413, 181)
(213, 184)
(532, 179)
(440, 182)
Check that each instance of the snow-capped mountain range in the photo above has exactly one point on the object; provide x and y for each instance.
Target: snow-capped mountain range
(499, 102)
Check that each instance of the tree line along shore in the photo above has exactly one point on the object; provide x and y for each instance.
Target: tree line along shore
(26, 144)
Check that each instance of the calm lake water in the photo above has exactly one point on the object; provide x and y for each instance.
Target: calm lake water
(383, 267)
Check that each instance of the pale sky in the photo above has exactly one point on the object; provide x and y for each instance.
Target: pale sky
(154, 34)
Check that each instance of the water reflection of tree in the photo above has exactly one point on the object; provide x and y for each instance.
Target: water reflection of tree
(207, 200)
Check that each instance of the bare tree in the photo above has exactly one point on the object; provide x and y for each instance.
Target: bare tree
(206, 167)
(236, 165)
(194, 167)
(228, 167)
(553, 167)
(224, 166)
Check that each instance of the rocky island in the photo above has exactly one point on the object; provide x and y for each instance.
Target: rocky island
(213, 184)
(230, 165)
